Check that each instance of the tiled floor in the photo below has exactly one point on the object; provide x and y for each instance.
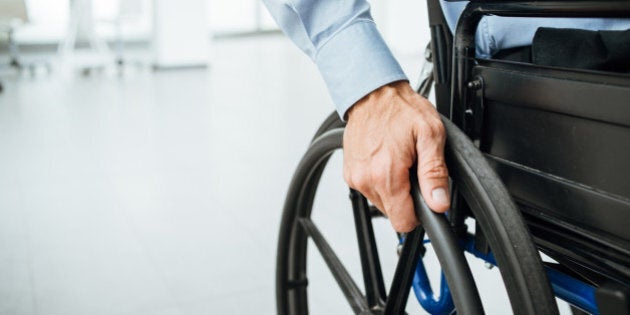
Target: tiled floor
(160, 193)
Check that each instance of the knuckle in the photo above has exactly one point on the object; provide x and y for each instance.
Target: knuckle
(434, 169)
(379, 176)
(433, 128)
(347, 177)
(439, 129)
(359, 181)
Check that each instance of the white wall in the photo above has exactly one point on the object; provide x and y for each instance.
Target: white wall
(180, 38)
(403, 23)
(238, 16)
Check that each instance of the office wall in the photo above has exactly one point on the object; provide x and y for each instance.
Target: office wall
(403, 23)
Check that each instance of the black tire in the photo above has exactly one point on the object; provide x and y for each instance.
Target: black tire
(331, 122)
(502, 224)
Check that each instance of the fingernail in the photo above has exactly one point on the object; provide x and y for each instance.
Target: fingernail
(439, 196)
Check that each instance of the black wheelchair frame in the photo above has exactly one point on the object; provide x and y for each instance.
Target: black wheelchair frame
(541, 163)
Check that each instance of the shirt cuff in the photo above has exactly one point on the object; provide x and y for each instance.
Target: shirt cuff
(355, 62)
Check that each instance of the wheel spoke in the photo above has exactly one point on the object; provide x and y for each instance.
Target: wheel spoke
(401, 285)
(344, 280)
(370, 263)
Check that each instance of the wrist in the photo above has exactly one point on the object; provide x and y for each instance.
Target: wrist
(399, 88)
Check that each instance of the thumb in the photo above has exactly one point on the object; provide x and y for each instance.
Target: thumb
(433, 175)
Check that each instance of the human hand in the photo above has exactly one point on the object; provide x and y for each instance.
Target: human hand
(387, 132)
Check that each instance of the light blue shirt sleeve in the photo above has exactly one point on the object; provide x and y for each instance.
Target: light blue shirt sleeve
(342, 39)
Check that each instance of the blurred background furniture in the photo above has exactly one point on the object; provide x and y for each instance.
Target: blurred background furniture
(125, 12)
(81, 28)
(12, 15)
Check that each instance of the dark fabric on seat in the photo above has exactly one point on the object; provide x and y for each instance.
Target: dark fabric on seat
(574, 48)
(519, 54)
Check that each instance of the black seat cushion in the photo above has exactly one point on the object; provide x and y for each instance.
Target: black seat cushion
(582, 49)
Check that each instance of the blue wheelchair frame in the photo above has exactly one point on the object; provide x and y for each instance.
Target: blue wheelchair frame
(565, 287)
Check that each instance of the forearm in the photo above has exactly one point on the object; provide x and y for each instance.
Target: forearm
(342, 39)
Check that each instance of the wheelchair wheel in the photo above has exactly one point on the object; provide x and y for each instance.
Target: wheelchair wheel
(331, 122)
(473, 182)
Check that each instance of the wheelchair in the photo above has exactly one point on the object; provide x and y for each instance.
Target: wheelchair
(539, 162)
